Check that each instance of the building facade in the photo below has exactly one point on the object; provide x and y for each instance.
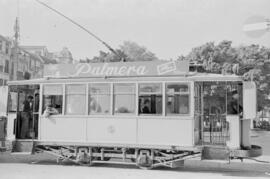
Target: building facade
(38, 50)
(5, 54)
(63, 57)
(25, 65)
(21, 62)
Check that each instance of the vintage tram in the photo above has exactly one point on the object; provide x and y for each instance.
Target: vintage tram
(144, 113)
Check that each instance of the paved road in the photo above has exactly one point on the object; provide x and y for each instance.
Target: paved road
(43, 170)
(45, 166)
(261, 138)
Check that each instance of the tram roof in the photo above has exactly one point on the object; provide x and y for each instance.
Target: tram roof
(191, 76)
(123, 71)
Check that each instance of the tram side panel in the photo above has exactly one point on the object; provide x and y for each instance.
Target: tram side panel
(166, 132)
(63, 129)
(140, 131)
(120, 130)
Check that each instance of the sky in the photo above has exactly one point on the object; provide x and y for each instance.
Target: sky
(168, 28)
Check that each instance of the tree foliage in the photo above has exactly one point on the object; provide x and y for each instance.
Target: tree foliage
(128, 51)
(252, 62)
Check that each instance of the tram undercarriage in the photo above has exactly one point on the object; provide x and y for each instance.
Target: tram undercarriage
(143, 158)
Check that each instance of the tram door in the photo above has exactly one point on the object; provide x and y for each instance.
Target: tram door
(26, 123)
(212, 104)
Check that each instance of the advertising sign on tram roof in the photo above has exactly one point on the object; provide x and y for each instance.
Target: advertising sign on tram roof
(149, 68)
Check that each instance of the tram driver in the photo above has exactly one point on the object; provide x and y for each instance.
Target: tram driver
(26, 116)
(234, 106)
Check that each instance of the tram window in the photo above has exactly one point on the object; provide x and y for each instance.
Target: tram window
(53, 98)
(124, 98)
(177, 99)
(99, 98)
(75, 99)
(150, 98)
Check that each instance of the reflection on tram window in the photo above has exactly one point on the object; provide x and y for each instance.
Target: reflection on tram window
(22, 98)
(12, 102)
(150, 98)
(53, 99)
(124, 98)
(177, 99)
(99, 98)
(75, 99)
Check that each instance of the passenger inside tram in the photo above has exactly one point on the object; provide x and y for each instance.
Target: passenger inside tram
(183, 106)
(50, 107)
(146, 107)
(94, 106)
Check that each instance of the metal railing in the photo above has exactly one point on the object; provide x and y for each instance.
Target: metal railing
(215, 129)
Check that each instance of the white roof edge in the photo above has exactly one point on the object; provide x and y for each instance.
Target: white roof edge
(191, 76)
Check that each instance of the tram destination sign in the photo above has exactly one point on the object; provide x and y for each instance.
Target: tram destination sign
(149, 68)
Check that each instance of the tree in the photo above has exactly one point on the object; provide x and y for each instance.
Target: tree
(252, 62)
(129, 51)
(136, 52)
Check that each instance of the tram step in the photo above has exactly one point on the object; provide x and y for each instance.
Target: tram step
(23, 147)
(3, 149)
(21, 153)
(215, 153)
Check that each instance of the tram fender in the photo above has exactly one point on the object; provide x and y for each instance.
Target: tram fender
(253, 151)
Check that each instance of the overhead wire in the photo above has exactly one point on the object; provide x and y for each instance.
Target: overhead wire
(80, 26)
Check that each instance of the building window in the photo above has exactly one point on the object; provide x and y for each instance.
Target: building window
(75, 99)
(20, 75)
(53, 98)
(6, 66)
(1, 45)
(99, 98)
(150, 98)
(177, 99)
(1, 82)
(124, 98)
(2, 64)
(7, 48)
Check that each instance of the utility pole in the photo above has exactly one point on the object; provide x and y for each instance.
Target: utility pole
(16, 49)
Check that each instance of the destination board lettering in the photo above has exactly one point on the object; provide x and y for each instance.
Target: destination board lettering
(149, 68)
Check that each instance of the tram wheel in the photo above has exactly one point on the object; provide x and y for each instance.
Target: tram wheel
(144, 162)
(59, 160)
